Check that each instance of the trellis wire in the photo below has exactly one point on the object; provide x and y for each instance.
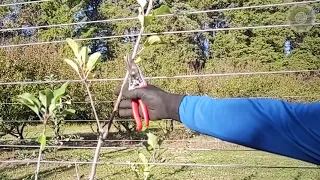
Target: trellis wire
(120, 148)
(22, 3)
(165, 15)
(69, 120)
(163, 77)
(166, 164)
(116, 140)
(164, 33)
(252, 97)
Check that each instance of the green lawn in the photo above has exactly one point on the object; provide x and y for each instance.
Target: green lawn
(105, 171)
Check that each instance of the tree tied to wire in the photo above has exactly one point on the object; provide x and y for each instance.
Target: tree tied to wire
(49, 107)
(83, 64)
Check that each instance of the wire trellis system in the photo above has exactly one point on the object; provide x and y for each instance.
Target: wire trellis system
(81, 120)
(114, 140)
(164, 77)
(121, 148)
(165, 15)
(166, 164)
(252, 97)
(22, 3)
(163, 33)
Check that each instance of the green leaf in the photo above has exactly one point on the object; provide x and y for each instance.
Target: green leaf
(143, 158)
(46, 97)
(163, 9)
(33, 107)
(52, 107)
(153, 140)
(74, 46)
(138, 59)
(142, 3)
(153, 40)
(59, 92)
(92, 61)
(84, 55)
(42, 140)
(69, 112)
(30, 98)
(30, 101)
(72, 64)
(148, 19)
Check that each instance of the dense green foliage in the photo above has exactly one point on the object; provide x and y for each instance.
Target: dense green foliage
(187, 53)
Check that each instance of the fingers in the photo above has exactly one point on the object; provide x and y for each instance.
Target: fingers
(125, 108)
(124, 104)
(125, 113)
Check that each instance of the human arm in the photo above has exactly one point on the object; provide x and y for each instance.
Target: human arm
(275, 126)
(279, 127)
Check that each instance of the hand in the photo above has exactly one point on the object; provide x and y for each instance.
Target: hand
(161, 104)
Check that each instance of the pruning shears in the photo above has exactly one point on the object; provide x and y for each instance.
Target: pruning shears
(137, 80)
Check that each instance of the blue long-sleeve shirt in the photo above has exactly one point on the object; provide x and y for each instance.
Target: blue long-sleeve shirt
(275, 126)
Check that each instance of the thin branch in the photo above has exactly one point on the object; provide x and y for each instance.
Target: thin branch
(92, 105)
(44, 119)
(38, 164)
(106, 129)
(95, 159)
(76, 169)
(134, 53)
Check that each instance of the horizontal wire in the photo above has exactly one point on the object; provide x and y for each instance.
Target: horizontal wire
(164, 15)
(69, 120)
(173, 164)
(163, 77)
(76, 102)
(115, 140)
(163, 33)
(131, 120)
(122, 148)
(252, 97)
(22, 3)
(165, 164)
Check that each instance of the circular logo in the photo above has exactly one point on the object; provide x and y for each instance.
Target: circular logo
(301, 18)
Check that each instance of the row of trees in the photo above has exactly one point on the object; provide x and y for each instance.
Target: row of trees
(266, 49)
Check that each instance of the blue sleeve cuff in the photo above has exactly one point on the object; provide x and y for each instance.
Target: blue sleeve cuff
(193, 110)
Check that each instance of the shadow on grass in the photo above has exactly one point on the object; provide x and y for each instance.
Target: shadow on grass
(181, 169)
(251, 176)
(11, 166)
(123, 173)
(44, 174)
(88, 139)
(116, 153)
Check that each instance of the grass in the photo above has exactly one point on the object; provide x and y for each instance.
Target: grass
(222, 156)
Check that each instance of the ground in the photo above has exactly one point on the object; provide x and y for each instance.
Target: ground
(213, 152)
